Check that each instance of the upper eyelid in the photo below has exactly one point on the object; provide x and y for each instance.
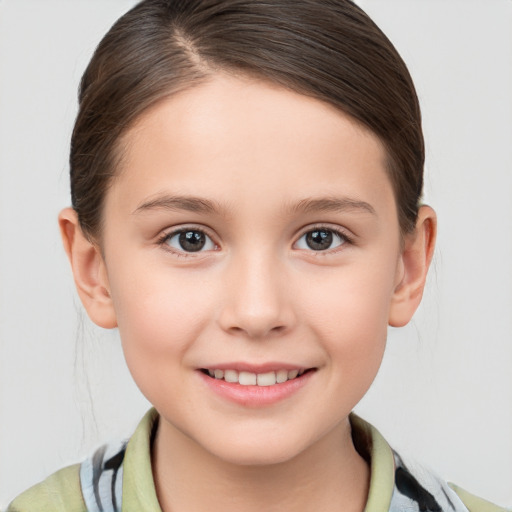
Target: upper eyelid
(338, 230)
(169, 233)
(328, 227)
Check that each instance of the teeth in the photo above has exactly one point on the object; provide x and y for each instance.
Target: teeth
(266, 379)
(247, 378)
(292, 374)
(231, 376)
(281, 376)
(256, 379)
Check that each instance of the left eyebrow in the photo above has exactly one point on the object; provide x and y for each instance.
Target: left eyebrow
(332, 204)
(177, 203)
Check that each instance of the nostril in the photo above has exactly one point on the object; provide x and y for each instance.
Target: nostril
(256, 316)
(256, 331)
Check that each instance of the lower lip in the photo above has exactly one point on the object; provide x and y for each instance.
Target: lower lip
(256, 396)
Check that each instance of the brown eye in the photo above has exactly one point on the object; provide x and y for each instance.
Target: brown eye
(320, 239)
(190, 240)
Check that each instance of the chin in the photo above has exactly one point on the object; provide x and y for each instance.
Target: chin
(257, 450)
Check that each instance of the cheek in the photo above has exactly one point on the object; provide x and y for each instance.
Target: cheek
(159, 314)
(348, 309)
(357, 294)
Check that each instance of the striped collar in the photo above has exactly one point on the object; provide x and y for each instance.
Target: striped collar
(118, 477)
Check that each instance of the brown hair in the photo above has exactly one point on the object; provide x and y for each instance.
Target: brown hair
(327, 49)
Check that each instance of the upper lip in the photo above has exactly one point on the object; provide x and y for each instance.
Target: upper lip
(255, 368)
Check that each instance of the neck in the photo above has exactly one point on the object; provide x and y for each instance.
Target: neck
(329, 476)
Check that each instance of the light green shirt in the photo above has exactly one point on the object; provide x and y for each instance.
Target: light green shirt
(61, 492)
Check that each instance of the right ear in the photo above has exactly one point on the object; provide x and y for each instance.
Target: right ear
(89, 270)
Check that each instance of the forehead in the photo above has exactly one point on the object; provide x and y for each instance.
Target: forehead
(236, 137)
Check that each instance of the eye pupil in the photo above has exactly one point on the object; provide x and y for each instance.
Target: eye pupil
(192, 241)
(319, 239)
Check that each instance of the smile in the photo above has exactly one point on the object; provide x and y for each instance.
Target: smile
(245, 378)
(254, 387)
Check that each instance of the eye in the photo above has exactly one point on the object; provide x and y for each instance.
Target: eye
(321, 239)
(189, 240)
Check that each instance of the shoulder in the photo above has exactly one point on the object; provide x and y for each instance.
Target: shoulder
(474, 503)
(398, 484)
(59, 492)
(98, 482)
(415, 483)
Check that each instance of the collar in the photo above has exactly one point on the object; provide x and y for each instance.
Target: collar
(139, 488)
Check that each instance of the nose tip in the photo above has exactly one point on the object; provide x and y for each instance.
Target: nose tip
(255, 316)
(256, 304)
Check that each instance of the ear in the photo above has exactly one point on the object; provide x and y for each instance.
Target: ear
(413, 267)
(89, 270)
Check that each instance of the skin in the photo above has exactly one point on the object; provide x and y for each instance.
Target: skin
(273, 165)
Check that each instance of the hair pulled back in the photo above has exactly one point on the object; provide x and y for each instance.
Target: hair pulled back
(327, 49)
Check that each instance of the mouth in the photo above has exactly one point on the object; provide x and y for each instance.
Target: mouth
(245, 378)
(256, 386)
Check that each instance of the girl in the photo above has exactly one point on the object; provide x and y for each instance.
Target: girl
(246, 181)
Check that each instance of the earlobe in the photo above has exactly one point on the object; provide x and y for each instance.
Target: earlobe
(89, 270)
(413, 267)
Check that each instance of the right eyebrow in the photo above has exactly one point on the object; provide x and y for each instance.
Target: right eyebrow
(333, 204)
(177, 203)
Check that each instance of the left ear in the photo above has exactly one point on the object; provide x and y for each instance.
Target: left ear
(413, 267)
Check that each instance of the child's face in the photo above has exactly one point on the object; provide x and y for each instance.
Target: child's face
(291, 262)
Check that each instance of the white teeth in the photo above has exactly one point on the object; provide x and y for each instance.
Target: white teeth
(281, 376)
(266, 379)
(231, 376)
(256, 379)
(292, 374)
(247, 379)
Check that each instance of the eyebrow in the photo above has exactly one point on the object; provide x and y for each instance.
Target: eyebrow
(206, 206)
(177, 203)
(332, 204)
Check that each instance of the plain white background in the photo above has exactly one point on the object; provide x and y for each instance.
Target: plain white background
(444, 393)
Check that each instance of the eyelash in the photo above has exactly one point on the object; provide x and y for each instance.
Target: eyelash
(341, 234)
(163, 241)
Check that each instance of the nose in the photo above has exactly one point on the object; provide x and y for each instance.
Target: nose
(257, 300)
